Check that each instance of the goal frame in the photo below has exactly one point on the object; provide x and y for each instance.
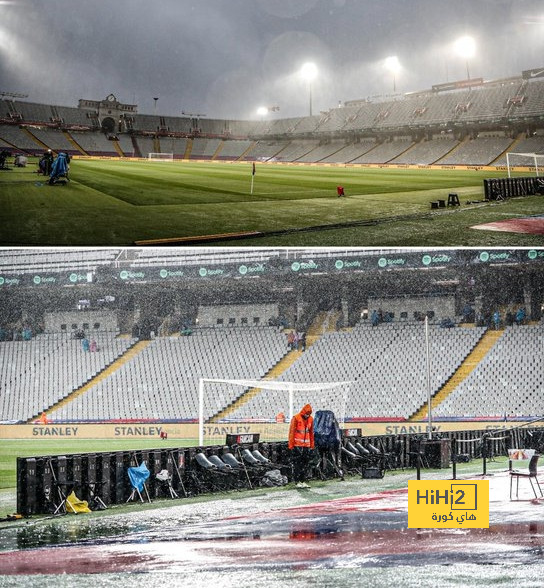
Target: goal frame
(160, 157)
(534, 156)
(289, 387)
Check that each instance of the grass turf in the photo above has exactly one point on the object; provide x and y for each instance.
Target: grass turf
(113, 202)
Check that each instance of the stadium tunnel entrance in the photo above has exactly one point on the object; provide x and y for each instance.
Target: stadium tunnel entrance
(108, 125)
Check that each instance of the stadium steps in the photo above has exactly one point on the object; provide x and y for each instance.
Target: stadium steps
(283, 364)
(188, 149)
(317, 327)
(137, 150)
(244, 154)
(452, 150)
(277, 370)
(115, 143)
(511, 147)
(74, 143)
(470, 363)
(218, 150)
(280, 151)
(105, 373)
(331, 154)
(410, 146)
(35, 139)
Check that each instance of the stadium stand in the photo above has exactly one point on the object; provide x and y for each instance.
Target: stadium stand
(321, 152)
(33, 260)
(126, 145)
(427, 152)
(295, 150)
(512, 106)
(337, 118)
(32, 112)
(73, 116)
(479, 151)
(18, 138)
(152, 256)
(507, 382)
(476, 370)
(308, 124)
(534, 144)
(265, 150)
(350, 153)
(386, 358)
(146, 122)
(234, 149)
(177, 146)
(204, 148)
(530, 100)
(178, 124)
(54, 140)
(38, 373)
(212, 126)
(94, 143)
(283, 126)
(144, 146)
(384, 152)
(162, 381)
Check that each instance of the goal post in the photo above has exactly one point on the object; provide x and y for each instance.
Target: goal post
(261, 406)
(160, 156)
(525, 160)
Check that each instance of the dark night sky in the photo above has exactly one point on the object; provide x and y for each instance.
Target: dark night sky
(225, 58)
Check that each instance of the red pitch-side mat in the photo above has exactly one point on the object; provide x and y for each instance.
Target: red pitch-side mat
(360, 531)
(534, 225)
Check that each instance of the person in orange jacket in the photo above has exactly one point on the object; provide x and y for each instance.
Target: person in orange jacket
(301, 444)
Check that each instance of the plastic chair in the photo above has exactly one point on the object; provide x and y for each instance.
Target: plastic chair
(531, 474)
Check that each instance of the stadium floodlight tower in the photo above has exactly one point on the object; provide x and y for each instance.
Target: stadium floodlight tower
(392, 64)
(466, 47)
(309, 73)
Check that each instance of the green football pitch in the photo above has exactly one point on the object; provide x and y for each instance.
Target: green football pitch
(115, 202)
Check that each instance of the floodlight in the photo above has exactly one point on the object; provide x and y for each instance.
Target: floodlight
(465, 47)
(309, 71)
(392, 64)
(262, 110)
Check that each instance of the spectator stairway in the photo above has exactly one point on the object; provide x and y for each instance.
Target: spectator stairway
(105, 373)
(471, 362)
(319, 326)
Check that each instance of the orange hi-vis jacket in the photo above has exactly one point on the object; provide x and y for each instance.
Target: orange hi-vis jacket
(301, 431)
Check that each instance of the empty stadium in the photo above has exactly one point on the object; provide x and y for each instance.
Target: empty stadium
(103, 356)
(243, 304)
(189, 179)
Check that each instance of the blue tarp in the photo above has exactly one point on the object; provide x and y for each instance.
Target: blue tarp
(138, 476)
(59, 167)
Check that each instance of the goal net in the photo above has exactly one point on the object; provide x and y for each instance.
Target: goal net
(523, 161)
(160, 156)
(262, 406)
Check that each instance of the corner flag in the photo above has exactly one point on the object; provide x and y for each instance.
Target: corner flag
(252, 176)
